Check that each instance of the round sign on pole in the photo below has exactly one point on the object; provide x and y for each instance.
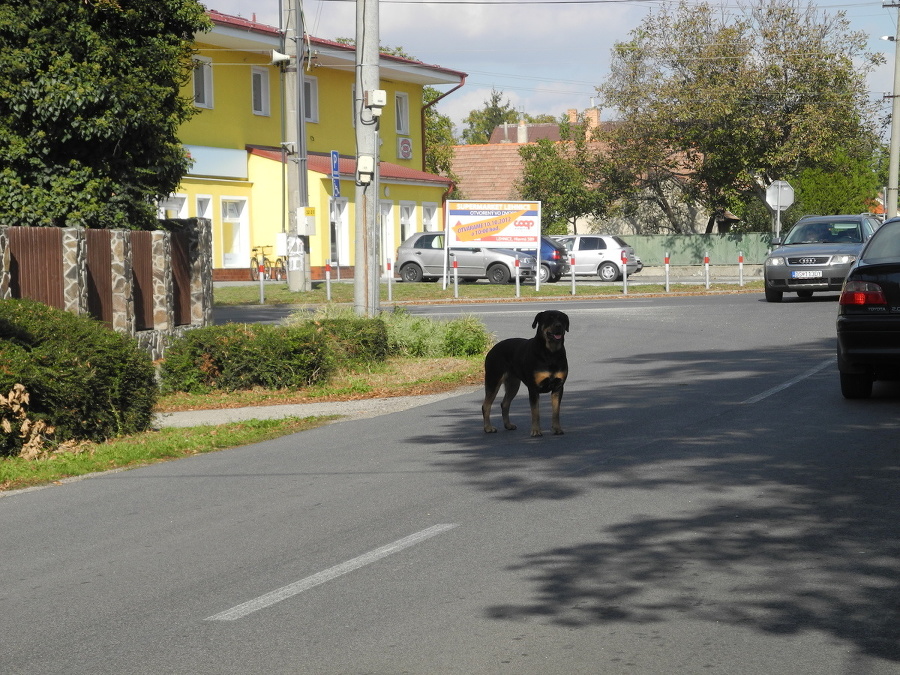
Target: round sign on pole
(780, 195)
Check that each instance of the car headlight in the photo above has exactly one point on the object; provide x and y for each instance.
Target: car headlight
(774, 262)
(842, 259)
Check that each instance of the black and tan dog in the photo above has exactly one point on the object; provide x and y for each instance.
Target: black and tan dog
(539, 362)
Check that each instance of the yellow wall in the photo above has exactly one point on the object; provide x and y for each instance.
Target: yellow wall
(231, 122)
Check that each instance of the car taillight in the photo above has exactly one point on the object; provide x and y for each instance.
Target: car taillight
(862, 293)
(555, 255)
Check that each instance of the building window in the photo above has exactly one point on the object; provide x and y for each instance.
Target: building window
(429, 216)
(173, 206)
(401, 112)
(259, 84)
(311, 99)
(407, 220)
(203, 82)
(235, 228)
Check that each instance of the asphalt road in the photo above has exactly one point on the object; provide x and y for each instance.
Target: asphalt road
(715, 506)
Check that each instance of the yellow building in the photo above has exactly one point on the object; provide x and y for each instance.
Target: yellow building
(238, 178)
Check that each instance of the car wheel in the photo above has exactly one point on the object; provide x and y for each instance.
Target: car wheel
(545, 274)
(411, 272)
(773, 296)
(608, 272)
(854, 385)
(555, 278)
(804, 294)
(498, 274)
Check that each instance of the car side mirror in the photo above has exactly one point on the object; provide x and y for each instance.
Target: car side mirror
(776, 241)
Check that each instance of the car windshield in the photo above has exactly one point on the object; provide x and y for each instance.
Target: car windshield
(824, 233)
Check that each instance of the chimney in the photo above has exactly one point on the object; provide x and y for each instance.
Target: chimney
(593, 117)
(573, 116)
(522, 132)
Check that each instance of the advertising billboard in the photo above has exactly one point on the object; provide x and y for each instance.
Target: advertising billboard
(493, 224)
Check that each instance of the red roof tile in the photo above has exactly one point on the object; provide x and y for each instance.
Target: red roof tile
(488, 172)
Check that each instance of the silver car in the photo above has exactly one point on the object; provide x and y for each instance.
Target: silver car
(421, 258)
(600, 254)
(816, 254)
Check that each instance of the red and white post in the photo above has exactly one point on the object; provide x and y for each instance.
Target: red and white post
(667, 271)
(390, 280)
(517, 278)
(741, 268)
(572, 272)
(455, 278)
(706, 267)
(624, 272)
(328, 280)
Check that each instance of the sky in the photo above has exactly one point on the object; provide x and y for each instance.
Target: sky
(545, 56)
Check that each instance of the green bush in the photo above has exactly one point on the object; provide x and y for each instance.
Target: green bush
(87, 381)
(356, 340)
(465, 336)
(244, 356)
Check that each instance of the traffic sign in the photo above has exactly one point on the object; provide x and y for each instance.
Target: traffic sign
(779, 195)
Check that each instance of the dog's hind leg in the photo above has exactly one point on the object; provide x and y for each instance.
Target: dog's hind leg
(491, 387)
(511, 389)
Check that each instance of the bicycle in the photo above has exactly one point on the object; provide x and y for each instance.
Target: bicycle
(270, 269)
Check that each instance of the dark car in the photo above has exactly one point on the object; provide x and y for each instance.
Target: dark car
(554, 260)
(868, 323)
(816, 255)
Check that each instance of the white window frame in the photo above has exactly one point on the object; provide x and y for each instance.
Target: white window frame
(240, 257)
(340, 217)
(429, 217)
(173, 206)
(203, 89)
(311, 98)
(408, 223)
(203, 206)
(259, 96)
(401, 113)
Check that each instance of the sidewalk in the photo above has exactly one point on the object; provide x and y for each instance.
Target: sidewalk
(358, 409)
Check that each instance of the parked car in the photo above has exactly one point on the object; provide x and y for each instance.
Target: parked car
(554, 260)
(599, 254)
(421, 258)
(816, 254)
(868, 322)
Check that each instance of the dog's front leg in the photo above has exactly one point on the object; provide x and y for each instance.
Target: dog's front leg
(555, 400)
(534, 398)
(511, 389)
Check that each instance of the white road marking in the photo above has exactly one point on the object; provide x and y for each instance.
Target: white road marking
(298, 587)
(789, 383)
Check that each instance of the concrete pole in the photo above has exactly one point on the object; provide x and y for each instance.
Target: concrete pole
(299, 276)
(894, 165)
(365, 275)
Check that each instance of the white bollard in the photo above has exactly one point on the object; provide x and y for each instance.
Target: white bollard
(572, 272)
(706, 266)
(667, 271)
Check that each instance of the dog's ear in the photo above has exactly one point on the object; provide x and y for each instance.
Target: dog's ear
(537, 319)
(566, 322)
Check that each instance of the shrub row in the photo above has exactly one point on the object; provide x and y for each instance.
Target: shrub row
(307, 349)
(83, 379)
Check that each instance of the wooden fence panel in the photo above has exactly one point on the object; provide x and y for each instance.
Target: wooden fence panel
(181, 278)
(142, 267)
(99, 276)
(36, 264)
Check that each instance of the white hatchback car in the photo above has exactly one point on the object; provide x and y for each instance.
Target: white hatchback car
(600, 255)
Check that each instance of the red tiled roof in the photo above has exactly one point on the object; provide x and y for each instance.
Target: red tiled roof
(488, 172)
(321, 163)
(240, 22)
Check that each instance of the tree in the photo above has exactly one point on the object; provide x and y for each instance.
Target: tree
(566, 177)
(90, 108)
(714, 106)
(480, 124)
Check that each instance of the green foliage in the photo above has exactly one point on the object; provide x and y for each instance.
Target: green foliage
(465, 336)
(85, 380)
(355, 339)
(90, 109)
(244, 356)
(566, 177)
(716, 104)
(480, 124)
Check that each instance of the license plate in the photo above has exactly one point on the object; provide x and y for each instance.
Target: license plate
(807, 274)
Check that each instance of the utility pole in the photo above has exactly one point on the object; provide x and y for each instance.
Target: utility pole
(294, 149)
(369, 102)
(894, 164)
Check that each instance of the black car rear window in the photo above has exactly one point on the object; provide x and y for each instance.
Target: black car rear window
(884, 244)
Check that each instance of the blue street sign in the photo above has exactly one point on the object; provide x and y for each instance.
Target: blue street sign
(335, 164)
(336, 187)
